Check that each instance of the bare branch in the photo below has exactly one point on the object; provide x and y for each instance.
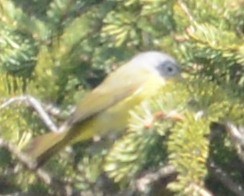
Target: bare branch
(57, 112)
(42, 113)
(237, 133)
(143, 183)
(237, 136)
(10, 101)
(34, 103)
(199, 190)
(226, 180)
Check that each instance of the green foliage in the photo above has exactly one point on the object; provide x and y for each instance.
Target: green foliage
(187, 155)
(132, 153)
(57, 50)
(18, 58)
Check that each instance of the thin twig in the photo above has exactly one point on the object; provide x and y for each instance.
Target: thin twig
(237, 137)
(42, 113)
(225, 179)
(186, 10)
(34, 103)
(57, 112)
(145, 182)
(199, 190)
(237, 133)
(13, 100)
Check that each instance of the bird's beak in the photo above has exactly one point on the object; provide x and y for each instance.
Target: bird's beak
(179, 78)
(183, 75)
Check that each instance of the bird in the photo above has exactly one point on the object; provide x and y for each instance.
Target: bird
(107, 107)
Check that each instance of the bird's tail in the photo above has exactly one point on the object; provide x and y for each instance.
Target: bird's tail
(44, 146)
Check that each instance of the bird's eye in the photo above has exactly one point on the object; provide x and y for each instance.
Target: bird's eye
(170, 69)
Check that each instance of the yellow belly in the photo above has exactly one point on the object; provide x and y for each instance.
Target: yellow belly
(116, 117)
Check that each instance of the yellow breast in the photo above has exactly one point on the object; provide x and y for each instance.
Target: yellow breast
(116, 117)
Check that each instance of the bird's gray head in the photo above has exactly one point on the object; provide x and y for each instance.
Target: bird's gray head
(158, 62)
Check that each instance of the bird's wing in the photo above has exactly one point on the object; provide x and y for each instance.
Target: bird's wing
(109, 93)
